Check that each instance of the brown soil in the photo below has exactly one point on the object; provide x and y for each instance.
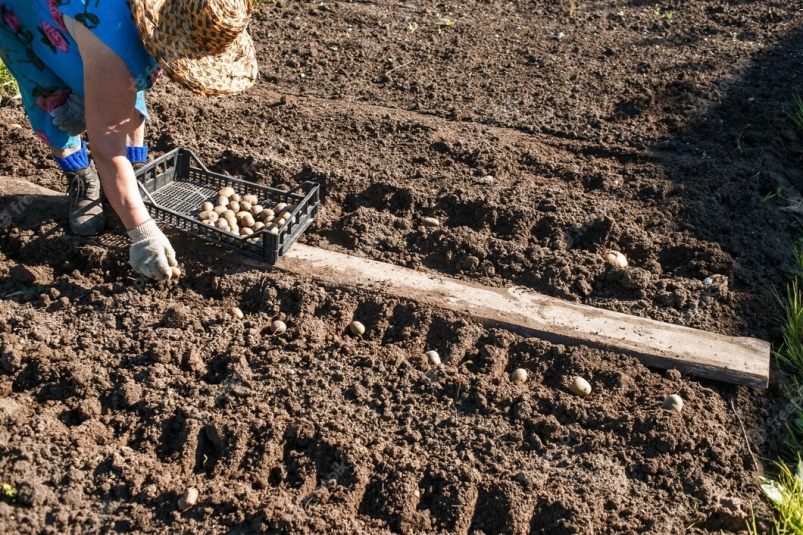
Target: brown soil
(539, 134)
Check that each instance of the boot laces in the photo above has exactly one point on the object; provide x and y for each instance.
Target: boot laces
(77, 186)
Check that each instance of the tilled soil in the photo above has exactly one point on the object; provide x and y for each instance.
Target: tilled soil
(538, 135)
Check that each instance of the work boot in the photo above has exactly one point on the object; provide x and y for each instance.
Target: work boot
(86, 206)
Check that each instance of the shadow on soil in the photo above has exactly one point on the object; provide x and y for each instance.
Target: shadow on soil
(736, 165)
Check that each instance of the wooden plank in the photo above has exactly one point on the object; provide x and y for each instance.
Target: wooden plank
(744, 361)
(730, 359)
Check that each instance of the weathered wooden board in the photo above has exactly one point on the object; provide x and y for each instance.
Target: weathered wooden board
(730, 359)
(657, 344)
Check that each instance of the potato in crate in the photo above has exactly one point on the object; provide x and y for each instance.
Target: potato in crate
(256, 220)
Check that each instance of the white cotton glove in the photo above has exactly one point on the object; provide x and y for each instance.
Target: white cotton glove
(71, 116)
(151, 253)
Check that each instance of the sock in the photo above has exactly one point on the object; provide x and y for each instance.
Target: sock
(137, 154)
(75, 161)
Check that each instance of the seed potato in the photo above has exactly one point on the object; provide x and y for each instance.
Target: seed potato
(580, 387)
(176, 272)
(430, 222)
(226, 191)
(247, 219)
(259, 225)
(615, 258)
(219, 209)
(245, 231)
(280, 222)
(519, 376)
(433, 357)
(281, 207)
(245, 205)
(273, 229)
(222, 201)
(356, 328)
(222, 224)
(674, 403)
(278, 327)
(251, 199)
(207, 206)
(256, 210)
(237, 313)
(234, 206)
(234, 197)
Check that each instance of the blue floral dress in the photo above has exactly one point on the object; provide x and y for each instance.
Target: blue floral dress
(41, 54)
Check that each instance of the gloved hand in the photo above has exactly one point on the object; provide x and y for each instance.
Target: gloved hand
(70, 116)
(151, 254)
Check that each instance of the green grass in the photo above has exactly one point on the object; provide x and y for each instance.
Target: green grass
(8, 86)
(785, 491)
(796, 114)
(786, 495)
(790, 354)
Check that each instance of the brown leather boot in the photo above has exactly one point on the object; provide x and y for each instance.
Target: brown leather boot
(86, 201)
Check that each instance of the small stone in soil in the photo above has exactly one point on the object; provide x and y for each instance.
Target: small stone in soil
(188, 499)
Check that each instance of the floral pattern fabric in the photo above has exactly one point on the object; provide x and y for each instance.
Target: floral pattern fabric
(37, 48)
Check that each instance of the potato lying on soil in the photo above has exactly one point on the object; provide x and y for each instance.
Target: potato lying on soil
(580, 387)
(519, 376)
(615, 258)
(673, 402)
(278, 327)
(433, 357)
(356, 328)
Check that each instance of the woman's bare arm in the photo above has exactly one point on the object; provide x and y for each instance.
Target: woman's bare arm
(110, 94)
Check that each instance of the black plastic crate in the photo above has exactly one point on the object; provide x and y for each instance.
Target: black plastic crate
(177, 184)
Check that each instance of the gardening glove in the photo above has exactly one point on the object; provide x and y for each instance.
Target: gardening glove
(70, 116)
(151, 253)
